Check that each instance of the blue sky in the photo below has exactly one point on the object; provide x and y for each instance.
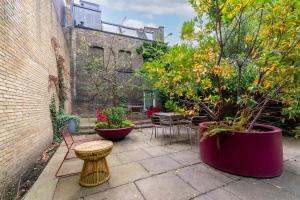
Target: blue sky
(137, 13)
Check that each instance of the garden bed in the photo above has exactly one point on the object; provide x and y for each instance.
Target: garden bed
(20, 187)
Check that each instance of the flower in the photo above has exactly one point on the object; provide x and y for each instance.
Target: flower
(101, 116)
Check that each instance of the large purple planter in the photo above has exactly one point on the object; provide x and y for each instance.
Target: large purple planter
(252, 154)
(114, 134)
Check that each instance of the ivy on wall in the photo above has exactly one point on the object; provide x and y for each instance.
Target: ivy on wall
(59, 83)
(58, 116)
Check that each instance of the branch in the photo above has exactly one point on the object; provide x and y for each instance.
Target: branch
(267, 99)
(256, 36)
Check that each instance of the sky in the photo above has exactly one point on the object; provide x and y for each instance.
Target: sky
(139, 13)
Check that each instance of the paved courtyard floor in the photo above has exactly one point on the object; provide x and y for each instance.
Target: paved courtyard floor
(154, 170)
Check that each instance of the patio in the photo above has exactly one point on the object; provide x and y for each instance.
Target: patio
(141, 169)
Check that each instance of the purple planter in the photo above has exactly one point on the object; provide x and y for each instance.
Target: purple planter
(252, 154)
(114, 134)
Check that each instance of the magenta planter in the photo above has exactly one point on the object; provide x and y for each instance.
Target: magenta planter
(114, 134)
(252, 154)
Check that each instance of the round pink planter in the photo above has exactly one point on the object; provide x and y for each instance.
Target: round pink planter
(252, 154)
(114, 134)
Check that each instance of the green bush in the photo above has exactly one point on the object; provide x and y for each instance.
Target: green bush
(59, 119)
(115, 117)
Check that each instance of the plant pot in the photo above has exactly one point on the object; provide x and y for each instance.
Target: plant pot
(72, 125)
(114, 134)
(251, 154)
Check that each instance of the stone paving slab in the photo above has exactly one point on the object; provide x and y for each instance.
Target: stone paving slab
(203, 178)
(186, 157)
(144, 169)
(113, 160)
(293, 165)
(218, 194)
(165, 186)
(253, 189)
(70, 166)
(291, 148)
(131, 156)
(127, 173)
(160, 164)
(287, 181)
(68, 188)
(156, 151)
(124, 192)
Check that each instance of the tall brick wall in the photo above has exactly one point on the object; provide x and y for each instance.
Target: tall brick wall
(26, 61)
(83, 102)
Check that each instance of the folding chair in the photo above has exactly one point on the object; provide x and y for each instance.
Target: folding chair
(70, 144)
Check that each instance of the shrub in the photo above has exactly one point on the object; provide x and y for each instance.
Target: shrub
(114, 117)
(59, 119)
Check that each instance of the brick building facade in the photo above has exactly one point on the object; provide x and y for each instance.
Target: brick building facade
(83, 101)
(26, 61)
(102, 37)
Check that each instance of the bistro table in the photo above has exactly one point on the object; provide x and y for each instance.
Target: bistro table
(170, 119)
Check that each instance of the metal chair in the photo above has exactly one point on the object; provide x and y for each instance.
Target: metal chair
(70, 144)
(137, 111)
(172, 122)
(193, 127)
(155, 120)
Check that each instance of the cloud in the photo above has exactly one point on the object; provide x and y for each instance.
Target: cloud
(137, 23)
(150, 8)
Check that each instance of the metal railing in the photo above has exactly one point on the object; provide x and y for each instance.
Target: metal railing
(146, 33)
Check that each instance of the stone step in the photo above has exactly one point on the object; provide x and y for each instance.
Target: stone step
(86, 131)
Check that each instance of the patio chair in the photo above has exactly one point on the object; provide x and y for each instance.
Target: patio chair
(172, 123)
(137, 111)
(193, 127)
(152, 110)
(155, 120)
(70, 144)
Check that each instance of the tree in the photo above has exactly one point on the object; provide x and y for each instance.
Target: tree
(111, 78)
(237, 52)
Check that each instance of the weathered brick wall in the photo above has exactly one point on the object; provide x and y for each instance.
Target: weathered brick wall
(83, 103)
(26, 61)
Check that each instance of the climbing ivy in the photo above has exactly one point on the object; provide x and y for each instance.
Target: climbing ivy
(59, 119)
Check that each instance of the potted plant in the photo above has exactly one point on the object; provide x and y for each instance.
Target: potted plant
(238, 59)
(112, 123)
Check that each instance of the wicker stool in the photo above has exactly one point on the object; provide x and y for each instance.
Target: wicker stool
(95, 170)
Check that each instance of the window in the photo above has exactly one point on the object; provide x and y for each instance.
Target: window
(97, 53)
(124, 60)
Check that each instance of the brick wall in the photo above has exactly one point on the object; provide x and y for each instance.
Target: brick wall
(83, 102)
(26, 61)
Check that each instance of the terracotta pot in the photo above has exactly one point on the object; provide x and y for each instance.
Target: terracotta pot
(114, 134)
(251, 154)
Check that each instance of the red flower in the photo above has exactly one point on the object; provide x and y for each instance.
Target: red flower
(101, 117)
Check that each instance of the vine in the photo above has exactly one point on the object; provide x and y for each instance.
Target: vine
(59, 119)
(58, 116)
(60, 72)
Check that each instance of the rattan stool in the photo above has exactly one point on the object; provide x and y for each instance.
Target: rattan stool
(95, 170)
